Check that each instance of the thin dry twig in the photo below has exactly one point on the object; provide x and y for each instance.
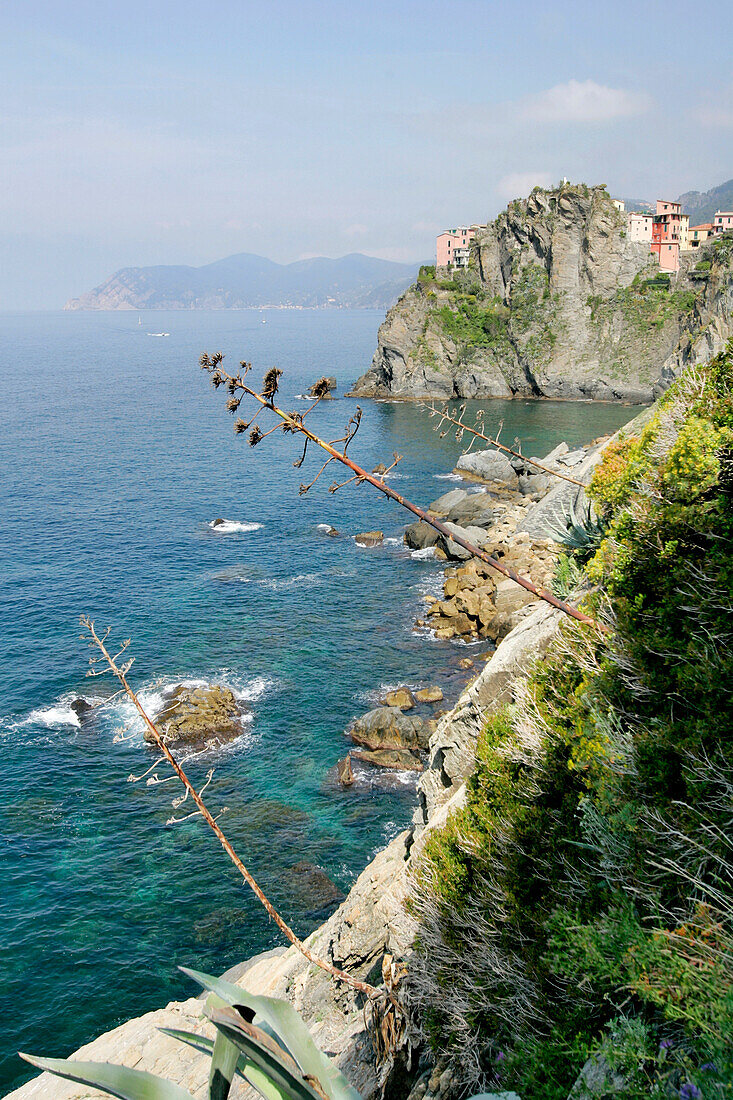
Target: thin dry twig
(445, 416)
(120, 671)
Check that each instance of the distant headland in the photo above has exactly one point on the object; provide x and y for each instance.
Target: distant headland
(249, 281)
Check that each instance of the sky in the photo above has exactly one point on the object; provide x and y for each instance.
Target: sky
(179, 133)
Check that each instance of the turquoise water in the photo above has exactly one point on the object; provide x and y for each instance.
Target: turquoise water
(115, 454)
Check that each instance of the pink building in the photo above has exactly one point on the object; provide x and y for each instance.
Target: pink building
(723, 221)
(666, 234)
(639, 227)
(453, 246)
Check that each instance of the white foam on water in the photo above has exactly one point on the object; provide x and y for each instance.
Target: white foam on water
(232, 526)
(156, 696)
(53, 717)
(324, 527)
(431, 584)
(392, 542)
(448, 477)
(59, 714)
(425, 554)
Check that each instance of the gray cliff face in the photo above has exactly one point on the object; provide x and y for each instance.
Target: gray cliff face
(557, 302)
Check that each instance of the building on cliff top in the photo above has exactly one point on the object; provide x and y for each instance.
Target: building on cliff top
(669, 230)
(723, 221)
(639, 226)
(453, 246)
(696, 234)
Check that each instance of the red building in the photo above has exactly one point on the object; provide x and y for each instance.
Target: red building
(666, 234)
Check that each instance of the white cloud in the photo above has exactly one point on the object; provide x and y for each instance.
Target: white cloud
(356, 230)
(519, 184)
(584, 101)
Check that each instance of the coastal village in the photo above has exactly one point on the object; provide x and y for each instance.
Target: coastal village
(667, 231)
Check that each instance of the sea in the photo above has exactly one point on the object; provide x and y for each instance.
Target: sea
(116, 456)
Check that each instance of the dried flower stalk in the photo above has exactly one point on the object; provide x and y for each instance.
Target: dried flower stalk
(266, 400)
(120, 671)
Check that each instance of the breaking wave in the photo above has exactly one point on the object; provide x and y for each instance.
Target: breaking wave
(232, 526)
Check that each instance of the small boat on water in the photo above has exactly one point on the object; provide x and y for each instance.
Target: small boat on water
(159, 334)
(139, 320)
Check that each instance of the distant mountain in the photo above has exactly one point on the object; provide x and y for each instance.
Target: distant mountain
(639, 205)
(245, 280)
(701, 205)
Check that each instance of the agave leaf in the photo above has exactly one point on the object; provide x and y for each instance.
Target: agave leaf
(265, 1054)
(120, 1081)
(190, 1038)
(224, 1058)
(245, 1069)
(289, 1028)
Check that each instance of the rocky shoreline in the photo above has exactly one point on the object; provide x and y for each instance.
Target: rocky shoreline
(512, 512)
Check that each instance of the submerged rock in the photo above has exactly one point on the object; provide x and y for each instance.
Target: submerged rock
(198, 716)
(345, 771)
(310, 888)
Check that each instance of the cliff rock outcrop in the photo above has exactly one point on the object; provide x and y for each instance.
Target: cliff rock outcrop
(558, 302)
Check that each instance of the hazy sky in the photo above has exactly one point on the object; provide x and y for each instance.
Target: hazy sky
(176, 132)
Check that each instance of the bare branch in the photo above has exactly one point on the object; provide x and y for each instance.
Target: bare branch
(362, 475)
(445, 417)
(202, 809)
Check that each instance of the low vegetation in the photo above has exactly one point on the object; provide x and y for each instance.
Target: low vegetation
(580, 905)
(646, 303)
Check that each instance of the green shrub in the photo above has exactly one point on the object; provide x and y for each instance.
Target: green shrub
(583, 898)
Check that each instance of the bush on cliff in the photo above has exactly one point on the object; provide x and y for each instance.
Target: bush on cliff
(582, 901)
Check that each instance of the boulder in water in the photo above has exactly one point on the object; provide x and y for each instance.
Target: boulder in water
(345, 771)
(389, 728)
(400, 697)
(420, 535)
(197, 716)
(403, 760)
(429, 695)
(81, 708)
(489, 465)
(325, 392)
(369, 538)
(444, 503)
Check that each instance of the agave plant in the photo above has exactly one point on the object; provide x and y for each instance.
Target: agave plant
(581, 531)
(260, 1039)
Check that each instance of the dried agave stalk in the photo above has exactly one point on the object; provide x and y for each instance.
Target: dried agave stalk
(445, 417)
(120, 671)
(294, 423)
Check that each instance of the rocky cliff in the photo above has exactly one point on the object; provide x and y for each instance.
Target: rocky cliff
(557, 302)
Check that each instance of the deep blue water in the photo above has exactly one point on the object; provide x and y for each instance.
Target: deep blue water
(115, 454)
